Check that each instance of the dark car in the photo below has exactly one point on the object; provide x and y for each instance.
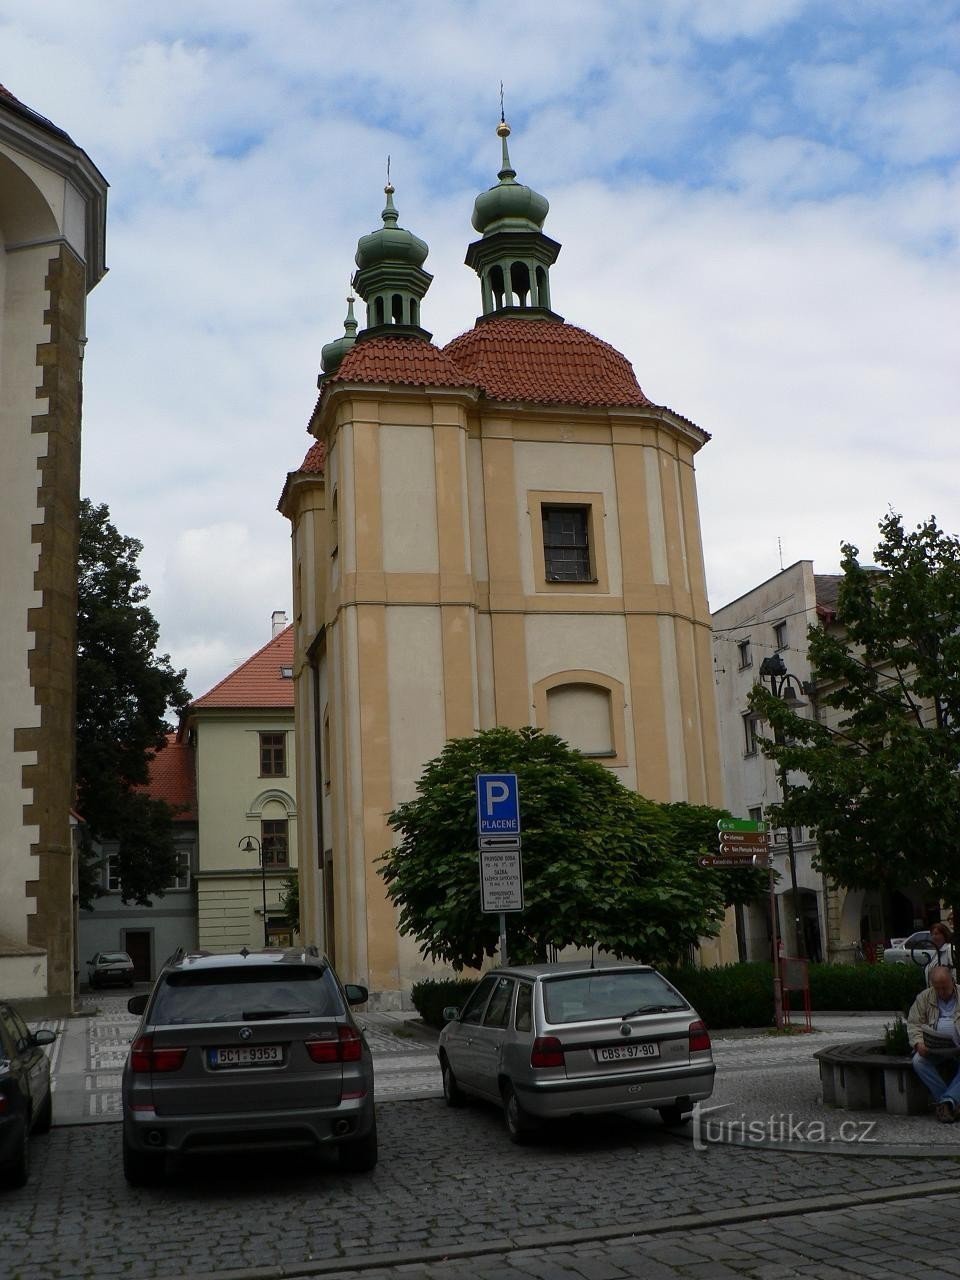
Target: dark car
(243, 1053)
(110, 969)
(26, 1102)
(546, 1041)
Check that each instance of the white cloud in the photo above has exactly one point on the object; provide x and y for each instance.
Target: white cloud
(775, 282)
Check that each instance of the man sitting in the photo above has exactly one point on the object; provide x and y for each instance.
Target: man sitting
(938, 1008)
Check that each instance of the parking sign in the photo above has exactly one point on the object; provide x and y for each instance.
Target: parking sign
(498, 804)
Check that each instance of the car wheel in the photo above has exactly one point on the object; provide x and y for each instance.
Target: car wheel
(673, 1116)
(142, 1168)
(45, 1115)
(360, 1155)
(520, 1124)
(17, 1169)
(452, 1093)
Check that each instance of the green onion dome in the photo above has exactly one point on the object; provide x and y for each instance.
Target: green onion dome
(509, 206)
(391, 243)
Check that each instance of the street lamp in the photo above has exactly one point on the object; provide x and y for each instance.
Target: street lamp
(246, 845)
(787, 688)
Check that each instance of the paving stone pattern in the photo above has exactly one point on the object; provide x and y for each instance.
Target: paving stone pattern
(445, 1178)
(877, 1242)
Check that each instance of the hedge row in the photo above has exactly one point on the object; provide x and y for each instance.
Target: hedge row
(737, 995)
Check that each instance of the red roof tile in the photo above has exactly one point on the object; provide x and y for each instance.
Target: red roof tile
(257, 682)
(315, 461)
(5, 93)
(172, 778)
(413, 362)
(544, 362)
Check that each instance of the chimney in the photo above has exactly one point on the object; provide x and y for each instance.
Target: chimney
(278, 623)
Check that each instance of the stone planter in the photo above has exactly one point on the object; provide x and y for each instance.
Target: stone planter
(861, 1077)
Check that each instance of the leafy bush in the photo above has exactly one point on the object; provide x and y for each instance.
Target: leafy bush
(741, 995)
(864, 986)
(738, 995)
(431, 996)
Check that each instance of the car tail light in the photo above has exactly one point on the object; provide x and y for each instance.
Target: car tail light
(348, 1047)
(547, 1051)
(144, 1057)
(4, 1104)
(699, 1037)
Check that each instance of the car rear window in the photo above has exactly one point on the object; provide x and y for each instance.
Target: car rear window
(582, 997)
(114, 957)
(245, 995)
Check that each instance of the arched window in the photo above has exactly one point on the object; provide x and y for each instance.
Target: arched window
(496, 284)
(543, 289)
(396, 309)
(520, 282)
(378, 310)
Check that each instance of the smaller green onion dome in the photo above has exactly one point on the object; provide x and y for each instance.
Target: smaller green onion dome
(333, 352)
(509, 206)
(391, 243)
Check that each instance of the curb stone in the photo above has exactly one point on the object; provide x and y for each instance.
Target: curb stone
(623, 1231)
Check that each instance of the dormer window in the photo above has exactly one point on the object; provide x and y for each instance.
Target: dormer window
(286, 673)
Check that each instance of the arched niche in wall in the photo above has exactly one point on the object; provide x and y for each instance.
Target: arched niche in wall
(586, 709)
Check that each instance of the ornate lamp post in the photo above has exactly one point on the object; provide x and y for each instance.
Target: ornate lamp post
(246, 844)
(788, 688)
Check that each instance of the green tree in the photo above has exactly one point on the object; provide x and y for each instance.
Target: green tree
(882, 787)
(124, 692)
(290, 901)
(601, 864)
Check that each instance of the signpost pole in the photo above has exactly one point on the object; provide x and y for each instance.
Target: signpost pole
(503, 939)
(777, 981)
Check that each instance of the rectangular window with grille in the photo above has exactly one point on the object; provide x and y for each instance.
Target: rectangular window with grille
(273, 755)
(274, 842)
(566, 544)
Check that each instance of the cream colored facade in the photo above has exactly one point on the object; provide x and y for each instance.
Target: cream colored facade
(423, 613)
(246, 768)
(234, 799)
(52, 232)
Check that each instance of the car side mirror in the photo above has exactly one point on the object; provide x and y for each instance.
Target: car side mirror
(43, 1037)
(451, 1013)
(355, 993)
(137, 1004)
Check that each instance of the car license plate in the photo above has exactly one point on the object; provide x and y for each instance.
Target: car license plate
(625, 1052)
(248, 1055)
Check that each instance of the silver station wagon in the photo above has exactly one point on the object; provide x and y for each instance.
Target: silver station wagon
(552, 1040)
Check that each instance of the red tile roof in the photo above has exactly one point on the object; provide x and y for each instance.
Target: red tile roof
(172, 778)
(413, 362)
(544, 362)
(257, 683)
(5, 93)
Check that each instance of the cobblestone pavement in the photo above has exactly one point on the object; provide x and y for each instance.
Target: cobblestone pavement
(869, 1241)
(446, 1180)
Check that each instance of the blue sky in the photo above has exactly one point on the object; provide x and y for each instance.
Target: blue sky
(757, 202)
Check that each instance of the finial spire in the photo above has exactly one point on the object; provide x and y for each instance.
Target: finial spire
(390, 213)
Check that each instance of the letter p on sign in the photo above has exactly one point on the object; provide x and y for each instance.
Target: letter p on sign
(498, 804)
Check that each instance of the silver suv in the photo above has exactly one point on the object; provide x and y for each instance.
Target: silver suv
(551, 1040)
(247, 1051)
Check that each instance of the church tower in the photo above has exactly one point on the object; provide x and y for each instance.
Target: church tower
(502, 531)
